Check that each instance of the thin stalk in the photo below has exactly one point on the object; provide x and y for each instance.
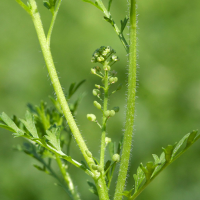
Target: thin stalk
(130, 110)
(56, 83)
(117, 30)
(67, 179)
(53, 22)
(105, 107)
(24, 6)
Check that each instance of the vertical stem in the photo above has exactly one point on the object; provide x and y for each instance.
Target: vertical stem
(99, 180)
(53, 22)
(55, 81)
(105, 105)
(67, 179)
(130, 110)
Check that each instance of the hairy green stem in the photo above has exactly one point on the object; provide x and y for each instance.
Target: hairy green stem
(130, 110)
(53, 22)
(67, 179)
(103, 134)
(56, 83)
(100, 182)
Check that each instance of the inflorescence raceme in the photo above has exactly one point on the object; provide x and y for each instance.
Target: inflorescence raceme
(105, 55)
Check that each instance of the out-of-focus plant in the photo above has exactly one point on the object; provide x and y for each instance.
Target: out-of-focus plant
(48, 130)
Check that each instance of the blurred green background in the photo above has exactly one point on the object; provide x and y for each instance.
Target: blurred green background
(168, 103)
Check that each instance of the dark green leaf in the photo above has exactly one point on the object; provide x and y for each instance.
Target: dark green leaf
(168, 152)
(191, 138)
(47, 5)
(123, 23)
(92, 188)
(109, 5)
(108, 20)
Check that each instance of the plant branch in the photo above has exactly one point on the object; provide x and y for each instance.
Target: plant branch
(105, 105)
(56, 83)
(24, 6)
(67, 179)
(53, 22)
(111, 21)
(130, 110)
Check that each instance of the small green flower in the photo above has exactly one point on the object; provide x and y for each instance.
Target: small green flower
(96, 92)
(97, 105)
(91, 117)
(116, 158)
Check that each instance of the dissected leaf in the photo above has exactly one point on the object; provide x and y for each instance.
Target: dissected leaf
(53, 136)
(168, 152)
(94, 4)
(17, 132)
(92, 188)
(139, 177)
(191, 138)
(179, 144)
(30, 124)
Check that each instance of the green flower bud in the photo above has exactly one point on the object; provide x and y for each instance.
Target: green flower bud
(96, 92)
(113, 80)
(98, 86)
(107, 140)
(91, 117)
(96, 54)
(89, 154)
(112, 113)
(106, 67)
(97, 105)
(93, 60)
(116, 109)
(116, 158)
(93, 71)
(114, 58)
(100, 59)
(107, 113)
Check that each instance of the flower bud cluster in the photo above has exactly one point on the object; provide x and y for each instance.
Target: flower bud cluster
(109, 113)
(104, 54)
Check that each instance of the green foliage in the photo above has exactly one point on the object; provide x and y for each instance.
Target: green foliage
(48, 134)
(145, 174)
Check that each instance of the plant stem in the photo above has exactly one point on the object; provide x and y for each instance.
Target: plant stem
(130, 110)
(105, 105)
(53, 22)
(100, 182)
(56, 83)
(117, 30)
(24, 6)
(67, 179)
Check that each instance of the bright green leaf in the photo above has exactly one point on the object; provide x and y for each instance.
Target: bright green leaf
(11, 124)
(53, 136)
(30, 124)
